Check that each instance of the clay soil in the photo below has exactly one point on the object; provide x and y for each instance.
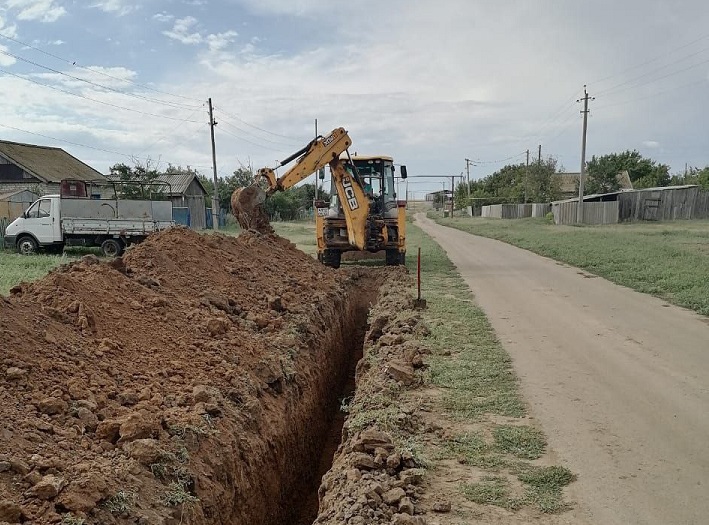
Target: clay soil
(188, 382)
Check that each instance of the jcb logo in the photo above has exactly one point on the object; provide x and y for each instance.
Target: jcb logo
(350, 194)
(329, 140)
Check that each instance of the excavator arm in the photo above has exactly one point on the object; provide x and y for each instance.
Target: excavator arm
(316, 155)
(247, 203)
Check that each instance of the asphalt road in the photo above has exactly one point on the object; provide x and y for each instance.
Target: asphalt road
(618, 380)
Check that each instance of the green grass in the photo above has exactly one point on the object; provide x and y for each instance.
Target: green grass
(491, 491)
(477, 376)
(669, 260)
(15, 268)
(522, 441)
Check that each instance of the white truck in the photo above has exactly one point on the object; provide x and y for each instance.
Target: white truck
(55, 221)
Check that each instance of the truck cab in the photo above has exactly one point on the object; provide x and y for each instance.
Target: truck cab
(39, 226)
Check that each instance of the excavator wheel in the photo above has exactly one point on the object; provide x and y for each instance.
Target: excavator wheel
(331, 258)
(395, 258)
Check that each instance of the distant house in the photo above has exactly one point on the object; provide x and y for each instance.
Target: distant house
(40, 169)
(187, 195)
(570, 183)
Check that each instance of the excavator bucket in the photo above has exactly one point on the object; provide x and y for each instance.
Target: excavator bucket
(247, 205)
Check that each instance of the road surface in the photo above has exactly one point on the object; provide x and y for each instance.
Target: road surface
(619, 380)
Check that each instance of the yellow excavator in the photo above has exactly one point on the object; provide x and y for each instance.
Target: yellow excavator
(363, 213)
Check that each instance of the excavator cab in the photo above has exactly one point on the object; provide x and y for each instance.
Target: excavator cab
(386, 219)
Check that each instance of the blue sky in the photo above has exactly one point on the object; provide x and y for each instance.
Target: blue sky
(428, 82)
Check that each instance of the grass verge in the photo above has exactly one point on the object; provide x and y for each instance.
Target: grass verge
(669, 260)
(479, 388)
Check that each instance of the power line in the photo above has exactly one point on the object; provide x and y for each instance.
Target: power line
(652, 95)
(73, 63)
(666, 55)
(78, 144)
(235, 117)
(633, 81)
(93, 99)
(96, 84)
(478, 162)
(248, 141)
(252, 134)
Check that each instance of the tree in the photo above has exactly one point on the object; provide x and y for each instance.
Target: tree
(693, 176)
(511, 183)
(643, 172)
(137, 182)
(241, 178)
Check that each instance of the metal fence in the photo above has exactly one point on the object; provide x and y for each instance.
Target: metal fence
(593, 212)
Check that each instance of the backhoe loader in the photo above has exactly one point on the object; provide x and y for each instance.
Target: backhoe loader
(363, 213)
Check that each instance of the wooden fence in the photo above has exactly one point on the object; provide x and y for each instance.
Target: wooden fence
(666, 204)
(540, 210)
(593, 212)
(507, 211)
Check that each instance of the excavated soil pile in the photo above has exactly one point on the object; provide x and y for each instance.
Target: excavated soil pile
(186, 383)
(247, 205)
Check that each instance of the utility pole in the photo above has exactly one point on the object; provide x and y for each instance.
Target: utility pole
(526, 178)
(579, 208)
(539, 158)
(215, 198)
(467, 171)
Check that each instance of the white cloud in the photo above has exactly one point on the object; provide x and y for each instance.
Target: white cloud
(652, 144)
(116, 7)
(6, 30)
(41, 10)
(4, 59)
(219, 41)
(183, 31)
(163, 17)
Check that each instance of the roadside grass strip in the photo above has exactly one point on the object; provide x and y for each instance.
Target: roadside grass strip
(669, 260)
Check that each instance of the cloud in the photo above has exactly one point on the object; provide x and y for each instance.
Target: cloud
(4, 59)
(40, 10)
(116, 7)
(183, 31)
(163, 17)
(219, 41)
(652, 144)
(10, 31)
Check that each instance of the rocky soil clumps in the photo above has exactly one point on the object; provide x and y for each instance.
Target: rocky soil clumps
(377, 477)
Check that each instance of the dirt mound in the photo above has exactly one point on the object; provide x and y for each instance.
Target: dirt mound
(247, 205)
(183, 383)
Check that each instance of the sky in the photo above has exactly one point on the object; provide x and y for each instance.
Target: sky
(429, 83)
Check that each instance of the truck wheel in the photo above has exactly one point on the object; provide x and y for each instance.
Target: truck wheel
(395, 258)
(26, 245)
(112, 247)
(332, 258)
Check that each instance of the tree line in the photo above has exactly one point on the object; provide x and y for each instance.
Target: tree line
(539, 182)
(142, 181)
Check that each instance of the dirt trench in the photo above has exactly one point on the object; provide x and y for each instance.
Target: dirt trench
(196, 380)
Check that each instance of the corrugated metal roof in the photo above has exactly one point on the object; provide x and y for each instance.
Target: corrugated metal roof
(47, 164)
(179, 182)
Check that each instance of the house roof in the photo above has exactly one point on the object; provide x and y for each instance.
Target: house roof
(179, 182)
(46, 163)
